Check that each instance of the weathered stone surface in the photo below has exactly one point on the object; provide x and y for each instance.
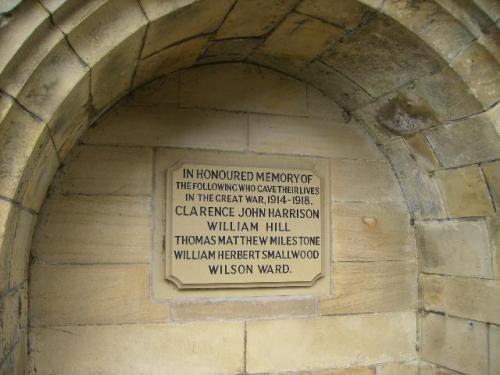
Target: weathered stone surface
(381, 56)
(170, 60)
(400, 157)
(108, 170)
(321, 106)
(422, 152)
(175, 21)
(371, 287)
(480, 71)
(364, 181)
(342, 341)
(71, 118)
(465, 192)
(455, 343)
(93, 229)
(21, 137)
(92, 294)
(494, 346)
(469, 298)
(465, 142)
(455, 247)
(296, 41)
(344, 91)
(243, 309)
(242, 87)
(347, 371)
(247, 19)
(67, 15)
(228, 50)
(187, 349)
(432, 23)
(304, 136)
(494, 232)
(408, 368)
(372, 232)
(163, 91)
(344, 13)
(17, 361)
(19, 260)
(12, 318)
(170, 126)
(492, 174)
(422, 196)
(9, 215)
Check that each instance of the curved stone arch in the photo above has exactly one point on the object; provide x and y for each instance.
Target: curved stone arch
(43, 115)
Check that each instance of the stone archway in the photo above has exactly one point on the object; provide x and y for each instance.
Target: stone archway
(421, 76)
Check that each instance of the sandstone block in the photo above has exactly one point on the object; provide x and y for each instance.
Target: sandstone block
(469, 298)
(321, 106)
(242, 87)
(494, 232)
(456, 247)
(157, 93)
(93, 229)
(171, 127)
(228, 50)
(457, 344)
(304, 136)
(67, 15)
(465, 192)
(21, 247)
(296, 41)
(246, 18)
(171, 59)
(108, 170)
(243, 309)
(347, 371)
(492, 175)
(371, 232)
(344, 13)
(186, 349)
(494, 345)
(468, 141)
(93, 294)
(10, 316)
(408, 368)
(9, 214)
(364, 181)
(371, 287)
(173, 22)
(329, 342)
(422, 152)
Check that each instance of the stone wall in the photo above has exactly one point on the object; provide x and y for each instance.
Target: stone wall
(92, 289)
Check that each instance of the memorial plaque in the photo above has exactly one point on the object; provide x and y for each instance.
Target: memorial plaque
(243, 227)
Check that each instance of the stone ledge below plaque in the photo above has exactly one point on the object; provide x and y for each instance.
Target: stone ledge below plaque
(202, 240)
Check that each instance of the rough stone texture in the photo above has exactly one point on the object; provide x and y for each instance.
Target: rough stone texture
(299, 136)
(162, 91)
(321, 106)
(492, 174)
(347, 371)
(465, 192)
(170, 126)
(344, 13)
(480, 71)
(172, 22)
(343, 341)
(412, 368)
(219, 86)
(93, 294)
(228, 50)
(432, 23)
(169, 60)
(17, 361)
(455, 343)
(13, 307)
(368, 232)
(381, 56)
(422, 152)
(464, 142)
(456, 247)
(108, 170)
(494, 346)
(21, 246)
(494, 232)
(371, 287)
(344, 91)
(296, 41)
(247, 18)
(243, 309)
(93, 229)
(9, 215)
(360, 181)
(187, 349)
(469, 298)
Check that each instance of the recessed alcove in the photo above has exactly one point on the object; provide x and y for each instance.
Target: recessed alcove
(396, 100)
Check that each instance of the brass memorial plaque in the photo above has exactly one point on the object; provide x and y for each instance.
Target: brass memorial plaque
(243, 227)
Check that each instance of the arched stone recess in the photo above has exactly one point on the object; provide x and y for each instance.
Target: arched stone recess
(422, 77)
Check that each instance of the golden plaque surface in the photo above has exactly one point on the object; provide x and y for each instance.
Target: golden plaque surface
(243, 227)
